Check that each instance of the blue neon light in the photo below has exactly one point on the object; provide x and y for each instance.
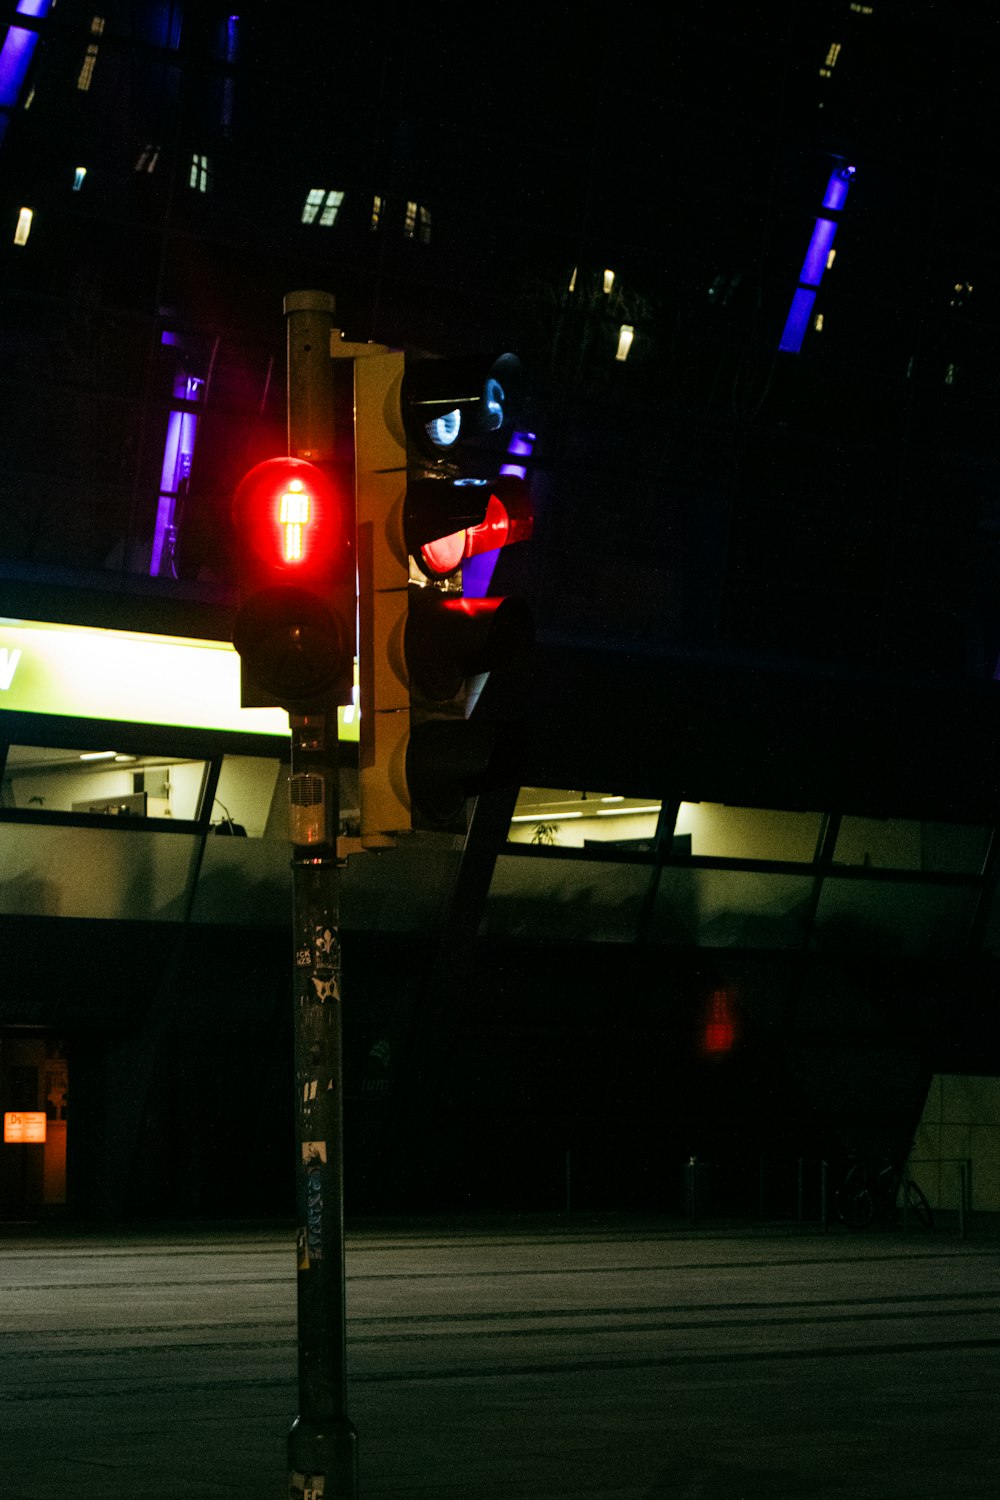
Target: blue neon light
(18, 50)
(178, 451)
(797, 322)
(477, 572)
(493, 400)
(836, 189)
(819, 249)
(818, 253)
(443, 431)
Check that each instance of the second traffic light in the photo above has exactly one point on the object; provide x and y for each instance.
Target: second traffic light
(419, 518)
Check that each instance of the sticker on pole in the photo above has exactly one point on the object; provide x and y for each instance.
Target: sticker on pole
(306, 1486)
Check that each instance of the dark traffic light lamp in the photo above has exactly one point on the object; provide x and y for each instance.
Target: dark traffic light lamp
(295, 625)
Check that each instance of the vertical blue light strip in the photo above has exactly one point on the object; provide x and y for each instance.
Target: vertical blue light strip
(477, 572)
(817, 255)
(15, 58)
(797, 321)
(178, 450)
(18, 50)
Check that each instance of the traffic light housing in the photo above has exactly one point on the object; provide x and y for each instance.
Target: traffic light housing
(424, 507)
(295, 625)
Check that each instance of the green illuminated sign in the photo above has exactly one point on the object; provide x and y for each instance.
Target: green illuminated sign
(76, 672)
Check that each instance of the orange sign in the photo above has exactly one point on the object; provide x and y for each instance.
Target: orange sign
(24, 1126)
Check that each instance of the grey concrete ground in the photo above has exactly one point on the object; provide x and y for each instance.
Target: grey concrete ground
(527, 1360)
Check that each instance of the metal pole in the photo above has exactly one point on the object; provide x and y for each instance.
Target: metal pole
(692, 1190)
(322, 1443)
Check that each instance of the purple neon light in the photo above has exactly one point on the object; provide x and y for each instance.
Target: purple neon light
(477, 572)
(15, 57)
(836, 189)
(797, 322)
(178, 450)
(521, 443)
(817, 255)
(819, 249)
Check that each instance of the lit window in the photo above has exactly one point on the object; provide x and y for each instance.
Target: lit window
(23, 226)
(198, 177)
(417, 222)
(626, 334)
(331, 208)
(572, 281)
(571, 819)
(830, 260)
(818, 323)
(148, 157)
(609, 281)
(950, 374)
(833, 54)
(376, 211)
(87, 70)
(78, 177)
(321, 205)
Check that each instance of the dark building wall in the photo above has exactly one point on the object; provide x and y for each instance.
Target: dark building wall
(180, 1067)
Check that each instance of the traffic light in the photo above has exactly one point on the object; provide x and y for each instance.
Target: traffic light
(295, 626)
(424, 509)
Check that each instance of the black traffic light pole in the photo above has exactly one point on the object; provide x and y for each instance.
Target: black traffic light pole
(322, 1444)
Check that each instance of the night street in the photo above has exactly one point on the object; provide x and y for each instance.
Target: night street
(525, 1359)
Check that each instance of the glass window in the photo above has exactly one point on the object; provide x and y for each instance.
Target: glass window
(750, 832)
(249, 791)
(731, 908)
(904, 844)
(322, 207)
(886, 916)
(65, 871)
(576, 900)
(575, 820)
(37, 778)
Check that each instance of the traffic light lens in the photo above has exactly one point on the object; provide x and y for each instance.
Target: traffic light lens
(493, 403)
(443, 431)
(443, 555)
(291, 515)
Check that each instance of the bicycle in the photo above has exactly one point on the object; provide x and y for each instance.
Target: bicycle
(867, 1188)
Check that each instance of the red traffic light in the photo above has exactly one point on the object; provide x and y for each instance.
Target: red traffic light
(288, 514)
(448, 521)
(295, 626)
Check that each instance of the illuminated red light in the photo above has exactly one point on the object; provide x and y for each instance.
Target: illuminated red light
(290, 515)
(295, 509)
(443, 555)
(498, 528)
(719, 1032)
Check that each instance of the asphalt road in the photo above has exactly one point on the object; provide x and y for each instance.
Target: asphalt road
(619, 1361)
